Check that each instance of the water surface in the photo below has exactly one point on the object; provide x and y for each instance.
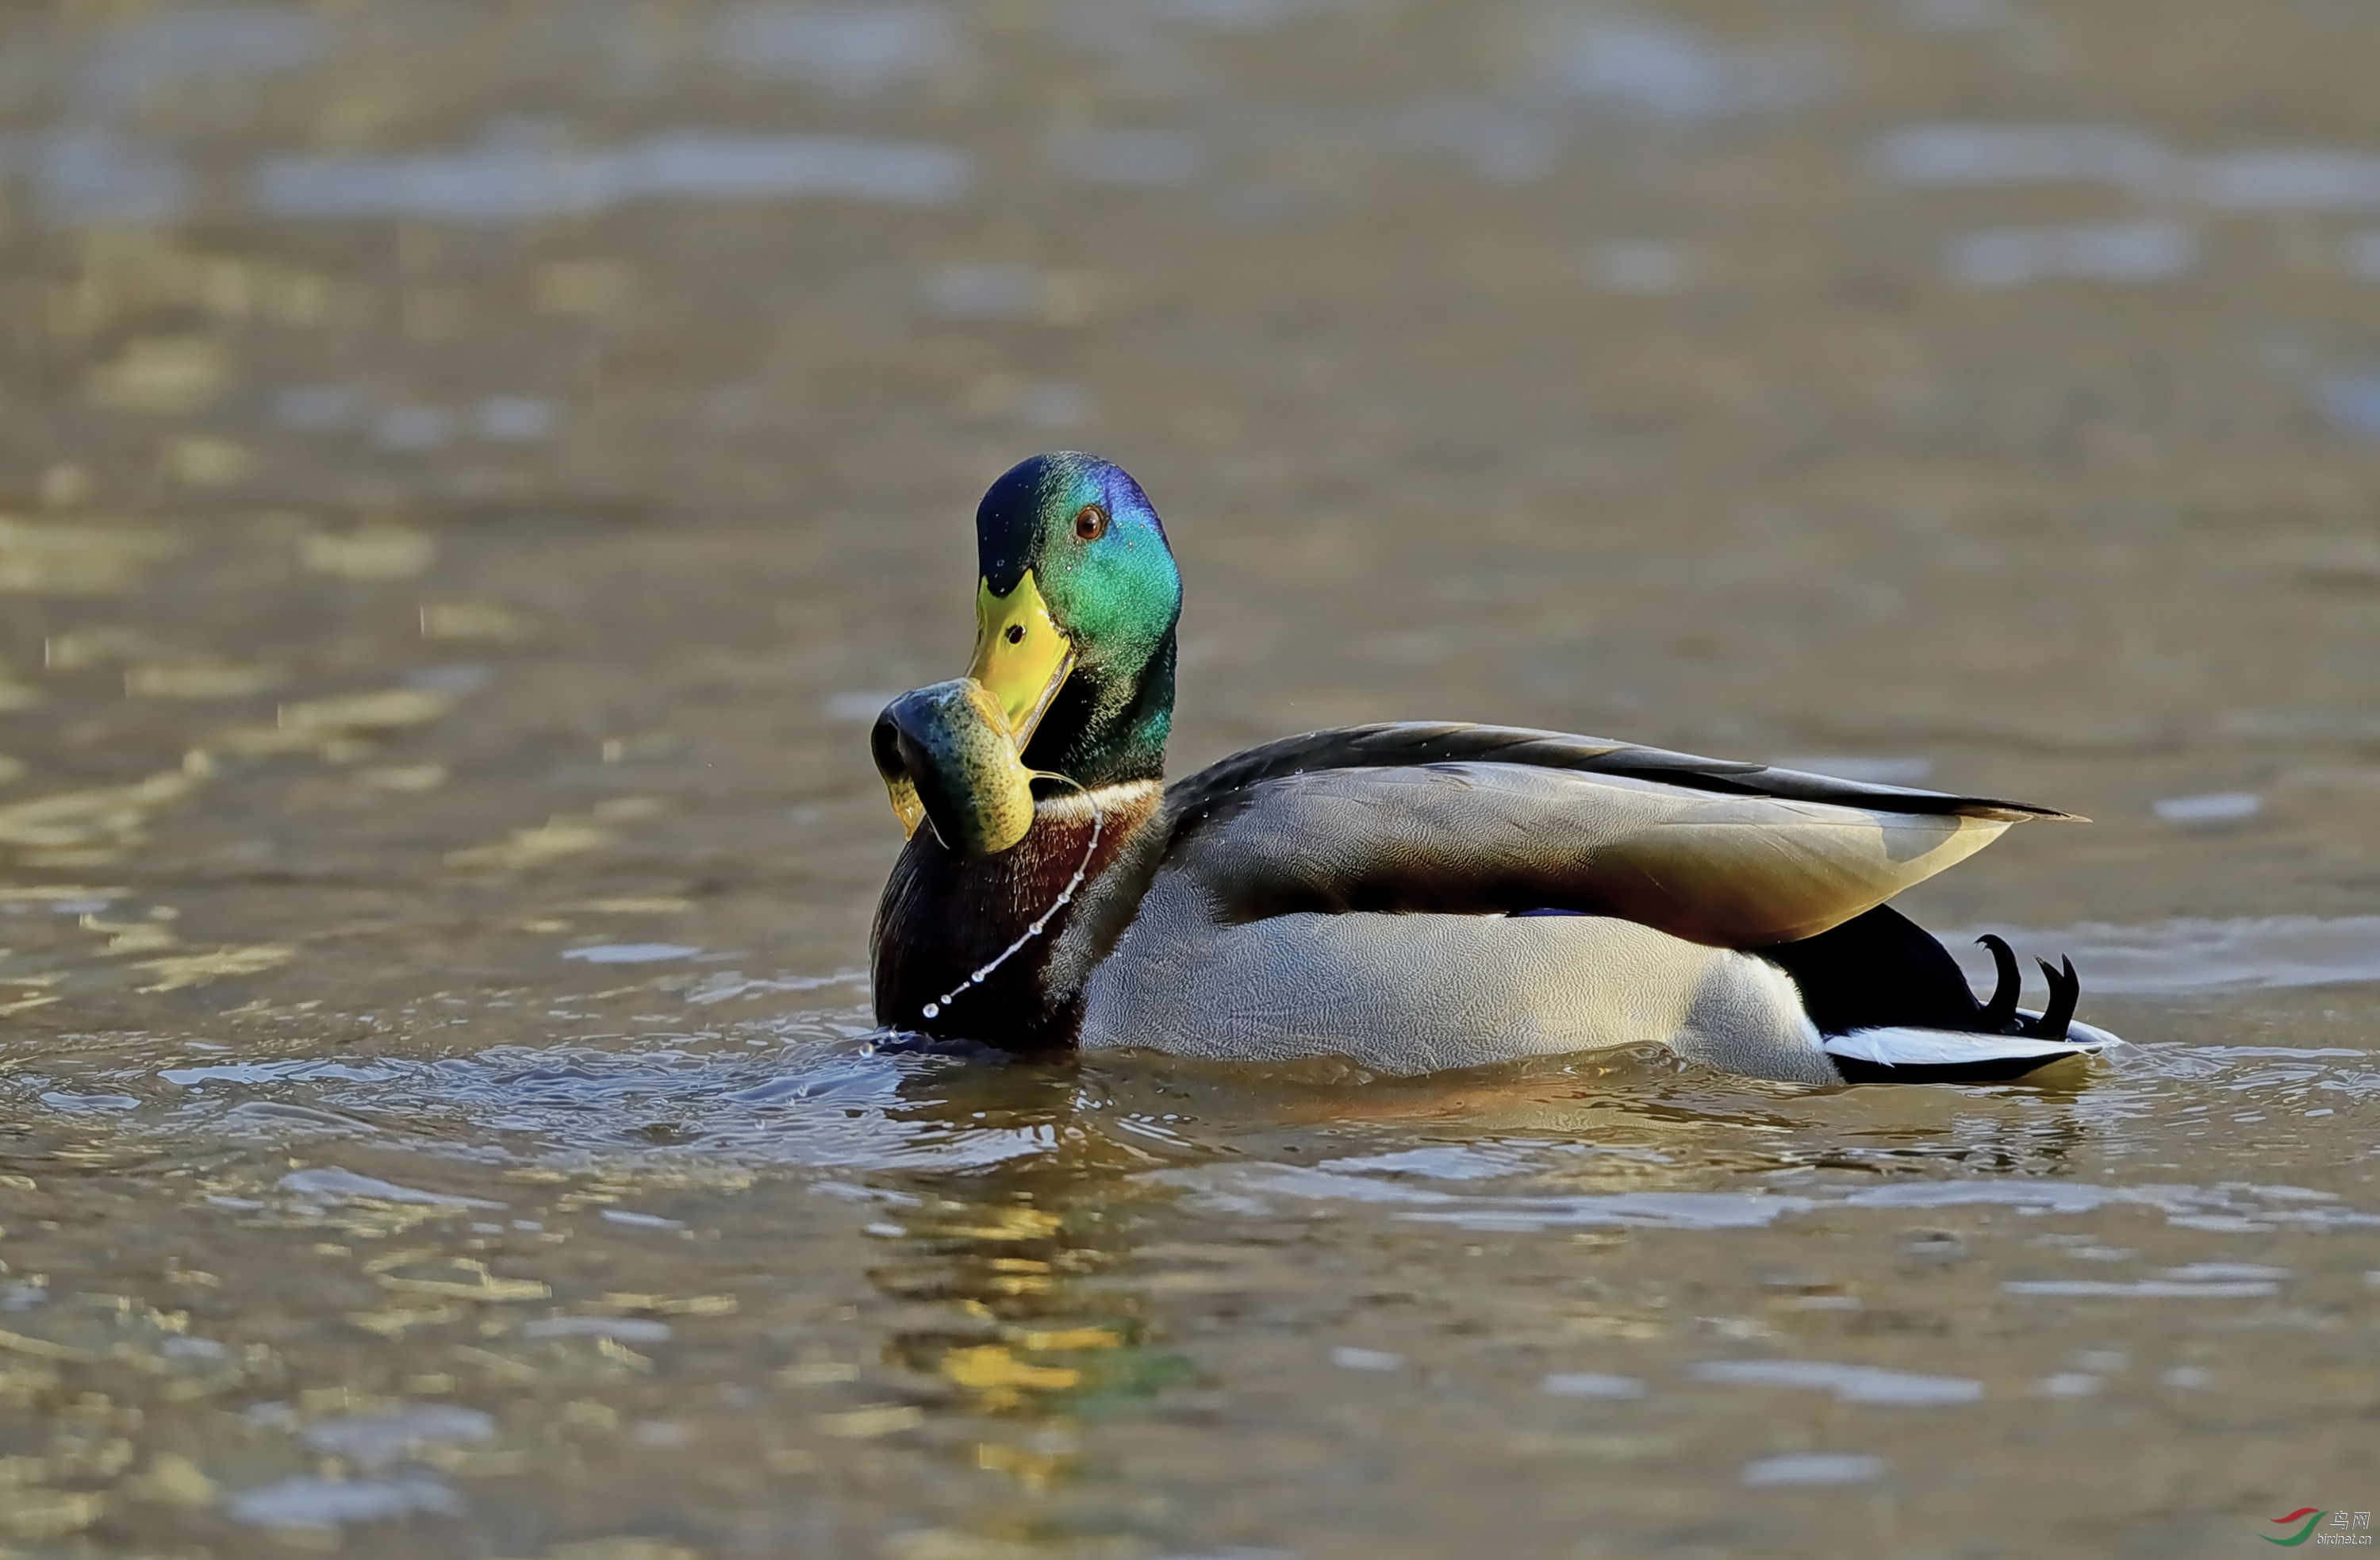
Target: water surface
(472, 472)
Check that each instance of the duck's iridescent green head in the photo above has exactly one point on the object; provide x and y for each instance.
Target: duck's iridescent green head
(1074, 617)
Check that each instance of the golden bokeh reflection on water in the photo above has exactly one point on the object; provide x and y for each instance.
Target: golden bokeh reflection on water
(471, 474)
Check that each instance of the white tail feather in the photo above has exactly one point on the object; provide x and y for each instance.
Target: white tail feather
(1907, 1046)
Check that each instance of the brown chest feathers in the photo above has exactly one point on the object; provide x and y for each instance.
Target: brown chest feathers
(944, 917)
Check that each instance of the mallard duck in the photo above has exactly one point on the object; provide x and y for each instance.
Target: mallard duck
(1412, 896)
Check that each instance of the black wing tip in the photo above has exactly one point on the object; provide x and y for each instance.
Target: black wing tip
(2002, 811)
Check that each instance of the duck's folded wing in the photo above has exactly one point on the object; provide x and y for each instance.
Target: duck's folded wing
(1396, 743)
(1720, 853)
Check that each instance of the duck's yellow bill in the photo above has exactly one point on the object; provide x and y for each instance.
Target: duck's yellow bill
(1020, 656)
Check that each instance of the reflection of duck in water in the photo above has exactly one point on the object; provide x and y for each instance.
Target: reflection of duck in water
(1413, 896)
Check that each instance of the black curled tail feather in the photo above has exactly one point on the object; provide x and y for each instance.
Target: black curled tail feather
(2065, 990)
(1998, 1015)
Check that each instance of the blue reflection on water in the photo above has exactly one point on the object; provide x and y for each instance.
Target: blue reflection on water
(512, 178)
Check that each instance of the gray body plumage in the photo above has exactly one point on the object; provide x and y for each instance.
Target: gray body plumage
(1414, 994)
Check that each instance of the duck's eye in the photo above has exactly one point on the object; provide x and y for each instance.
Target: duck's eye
(1091, 522)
